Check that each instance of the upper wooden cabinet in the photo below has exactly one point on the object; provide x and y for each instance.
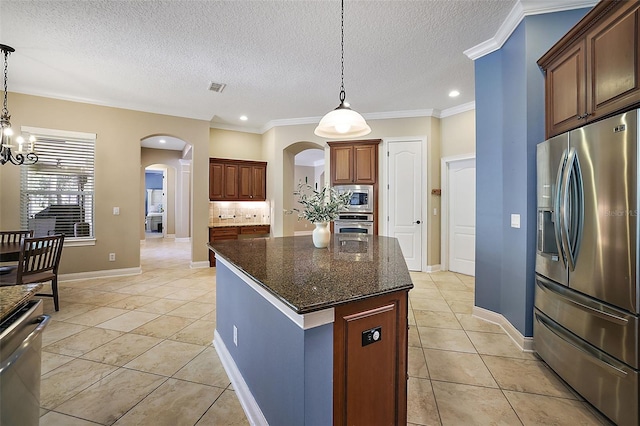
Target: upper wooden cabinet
(237, 180)
(594, 70)
(253, 181)
(223, 181)
(354, 162)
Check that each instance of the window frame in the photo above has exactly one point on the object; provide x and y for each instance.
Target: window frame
(62, 135)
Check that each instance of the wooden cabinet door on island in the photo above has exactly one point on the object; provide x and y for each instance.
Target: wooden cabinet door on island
(354, 162)
(594, 70)
(370, 361)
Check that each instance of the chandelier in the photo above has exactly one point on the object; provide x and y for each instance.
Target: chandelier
(342, 122)
(24, 154)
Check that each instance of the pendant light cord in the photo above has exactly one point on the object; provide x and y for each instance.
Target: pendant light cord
(5, 111)
(342, 94)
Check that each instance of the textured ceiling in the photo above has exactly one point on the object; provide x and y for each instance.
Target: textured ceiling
(279, 59)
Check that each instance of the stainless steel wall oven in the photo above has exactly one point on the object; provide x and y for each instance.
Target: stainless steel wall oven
(354, 223)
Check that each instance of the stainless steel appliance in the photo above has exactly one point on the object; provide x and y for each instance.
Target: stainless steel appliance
(353, 223)
(353, 247)
(362, 198)
(587, 292)
(20, 364)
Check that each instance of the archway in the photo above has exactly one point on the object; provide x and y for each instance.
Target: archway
(309, 169)
(174, 158)
(157, 208)
(289, 181)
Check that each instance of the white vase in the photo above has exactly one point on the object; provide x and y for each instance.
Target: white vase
(321, 234)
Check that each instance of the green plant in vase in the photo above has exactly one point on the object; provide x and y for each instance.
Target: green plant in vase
(320, 206)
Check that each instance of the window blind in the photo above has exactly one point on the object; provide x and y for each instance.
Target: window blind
(57, 192)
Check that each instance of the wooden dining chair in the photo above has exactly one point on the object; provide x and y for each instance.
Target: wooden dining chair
(38, 262)
(12, 237)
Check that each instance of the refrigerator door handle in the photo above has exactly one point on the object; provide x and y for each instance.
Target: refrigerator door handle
(590, 355)
(573, 209)
(542, 284)
(557, 203)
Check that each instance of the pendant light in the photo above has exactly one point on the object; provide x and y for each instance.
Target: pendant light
(24, 153)
(342, 122)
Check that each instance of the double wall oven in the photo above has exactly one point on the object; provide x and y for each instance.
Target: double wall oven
(358, 216)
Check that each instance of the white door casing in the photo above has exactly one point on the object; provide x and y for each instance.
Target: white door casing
(458, 214)
(404, 202)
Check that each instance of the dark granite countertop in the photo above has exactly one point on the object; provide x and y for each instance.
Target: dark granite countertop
(234, 225)
(308, 279)
(13, 296)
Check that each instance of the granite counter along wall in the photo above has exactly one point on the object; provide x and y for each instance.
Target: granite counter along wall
(241, 212)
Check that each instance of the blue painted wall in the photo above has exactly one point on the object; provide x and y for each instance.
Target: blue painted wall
(509, 125)
(288, 370)
(153, 180)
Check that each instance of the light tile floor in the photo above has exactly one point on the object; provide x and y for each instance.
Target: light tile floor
(137, 350)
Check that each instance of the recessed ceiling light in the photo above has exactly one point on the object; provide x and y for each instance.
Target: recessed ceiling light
(162, 141)
(244, 118)
(454, 93)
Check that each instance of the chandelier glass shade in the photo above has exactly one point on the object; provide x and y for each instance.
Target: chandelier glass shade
(23, 151)
(342, 122)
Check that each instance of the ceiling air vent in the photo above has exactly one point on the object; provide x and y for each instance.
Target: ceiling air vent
(216, 87)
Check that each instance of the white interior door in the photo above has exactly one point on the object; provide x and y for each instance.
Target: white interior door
(405, 199)
(462, 216)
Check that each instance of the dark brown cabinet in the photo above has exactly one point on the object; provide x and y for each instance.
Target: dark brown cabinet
(237, 180)
(233, 233)
(370, 371)
(594, 70)
(221, 234)
(223, 181)
(255, 230)
(252, 182)
(354, 162)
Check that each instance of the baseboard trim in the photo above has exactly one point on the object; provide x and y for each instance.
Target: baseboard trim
(182, 239)
(247, 401)
(433, 268)
(200, 264)
(297, 233)
(100, 274)
(524, 343)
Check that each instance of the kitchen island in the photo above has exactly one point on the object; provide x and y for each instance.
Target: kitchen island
(314, 336)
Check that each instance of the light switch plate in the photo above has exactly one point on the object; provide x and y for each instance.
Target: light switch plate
(515, 221)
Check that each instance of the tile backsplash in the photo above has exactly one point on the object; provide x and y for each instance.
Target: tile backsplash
(238, 212)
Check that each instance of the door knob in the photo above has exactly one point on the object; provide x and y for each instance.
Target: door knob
(417, 221)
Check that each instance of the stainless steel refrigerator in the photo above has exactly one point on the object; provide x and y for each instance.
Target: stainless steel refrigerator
(587, 296)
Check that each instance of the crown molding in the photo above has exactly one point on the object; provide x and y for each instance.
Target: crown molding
(519, 11)
(368, 116)
(470, 106)
(235, 128)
